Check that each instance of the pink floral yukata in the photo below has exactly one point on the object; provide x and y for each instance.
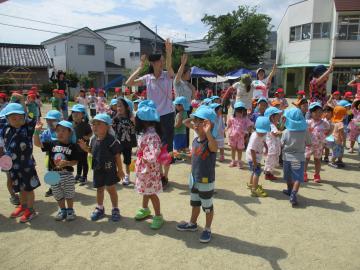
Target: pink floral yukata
(147, 168)
(318, 130)
(238, 128)
(274, 149)
(101, 105)
(354, 125)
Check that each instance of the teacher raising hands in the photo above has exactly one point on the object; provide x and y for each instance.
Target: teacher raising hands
(158, 84)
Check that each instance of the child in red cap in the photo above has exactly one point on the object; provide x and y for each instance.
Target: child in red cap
(334, 98)
(101, 102)
(280, 96)
(32, 105)
(356, 83)
(299, 96)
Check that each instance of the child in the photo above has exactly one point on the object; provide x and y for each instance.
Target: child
(16, 131)
(113, 108)
(63, 103)
(63, 155)
(81, 99)
(261, 106)
(327, 116)
(220, 126)
(55, 100)
(147, 168)
(339, 136)
(92, 100)
(272, 142)
(53, 117)
(32, 106)
(280, 96)
(319, 130)
(354, 125)
(333, 100)
(299, 96)
(106, 164)
(101, 102)
(83, 132)
(180, 139)
(254, 152)
(238, 127)
(294, 140)
(125, 132)
(202, 177)
(117, 93)
(303, 105)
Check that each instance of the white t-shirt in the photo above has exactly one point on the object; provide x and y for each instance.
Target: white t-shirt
(256, 143)
(243, 95)
(260, 88)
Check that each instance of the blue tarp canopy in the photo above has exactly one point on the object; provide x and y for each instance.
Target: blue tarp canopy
(198, 73)
(115, 82)
(237, 73)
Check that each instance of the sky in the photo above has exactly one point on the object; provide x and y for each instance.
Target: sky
(178, 20)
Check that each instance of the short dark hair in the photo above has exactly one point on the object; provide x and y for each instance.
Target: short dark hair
(141, 126)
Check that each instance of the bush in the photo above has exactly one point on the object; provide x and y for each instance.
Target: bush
(47, 88)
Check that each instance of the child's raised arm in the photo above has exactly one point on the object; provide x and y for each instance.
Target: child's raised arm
(188, 123)
(37, 141)
(213, 146)
(178, 120)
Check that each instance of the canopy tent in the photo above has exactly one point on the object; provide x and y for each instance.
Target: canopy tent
(199, 73)
(232, 75)
(117, 81)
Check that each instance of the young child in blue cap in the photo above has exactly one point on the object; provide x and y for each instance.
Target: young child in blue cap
(124, 129)
(180, 139)
(254, 153)
(202, 177)
(83, 132)
(294, 139)
(63, 155)
(53, 117)
(148, 171)
(16, 132)
(106, 164)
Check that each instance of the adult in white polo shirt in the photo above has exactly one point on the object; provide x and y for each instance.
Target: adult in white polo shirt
(159, 89)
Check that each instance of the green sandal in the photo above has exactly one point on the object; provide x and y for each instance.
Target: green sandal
(142, 213)
(157, 222)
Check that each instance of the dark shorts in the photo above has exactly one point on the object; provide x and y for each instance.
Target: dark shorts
(126, 152)
(294, 171)
(24, 179)
(337, 150)
(257, 171)
(105, 178)
(180, 141)
(167, 122)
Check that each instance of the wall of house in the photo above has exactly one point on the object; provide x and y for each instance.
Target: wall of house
(125, 46)
(82, 64)
(57, 52)
(110, 54)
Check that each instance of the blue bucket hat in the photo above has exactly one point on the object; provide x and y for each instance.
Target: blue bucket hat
(113, 102)
(206, 113)
(344, 103)
(207, 101)
(214, 105)
(182, 101)
(68, 125)
(78, 108)
(147, 111)
(271, 111)
(103, 117)
(53, 115)
(314, 105)
(262, 99)
(13, 108)
(239, 104)
(295, 120)
(262, 124)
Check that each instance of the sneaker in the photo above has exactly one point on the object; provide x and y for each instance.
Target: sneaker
(97, 214)
(77, 178)
(222, 158)
(157, 222)
(18, 212)
(126, 181)
(15, 200)
(61, 215)
(317, 178)
(186, 226)
(334, 165)
(293, 199)
(326, 159)
(287, 192)
(259, 192)
(48, 193)
(306, 177)
(164, 181)
(70, 214)
(233, 163)
(82, 180)
(241, 165)
(248, 185)
(340, 164)
(27, 216)
(205, 236)
(270, 176)
(142, 213)
(115, 215)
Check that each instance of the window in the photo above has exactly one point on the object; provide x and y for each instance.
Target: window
(131, 54)
(122, 62)
(306, 31)
(321, 30)
(84, 49)
(349, 27)
(295, 33)
(137, 54)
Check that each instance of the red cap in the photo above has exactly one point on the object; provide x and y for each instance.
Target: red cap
(301, 92)
(117, 90)
(55, 91)
(31, 92)
(17, 92)
(61, 92)
(280, 90)
(101, 91)
(3, 95)
(336, 93)
(92, 90)
(348, 94)
(127, 91)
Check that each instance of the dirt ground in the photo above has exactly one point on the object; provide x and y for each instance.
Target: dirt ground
(248, 233)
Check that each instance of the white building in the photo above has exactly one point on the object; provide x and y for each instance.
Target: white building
(85, 52)
(314, 32)
(130, 41)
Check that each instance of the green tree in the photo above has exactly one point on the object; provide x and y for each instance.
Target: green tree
(241, 34)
